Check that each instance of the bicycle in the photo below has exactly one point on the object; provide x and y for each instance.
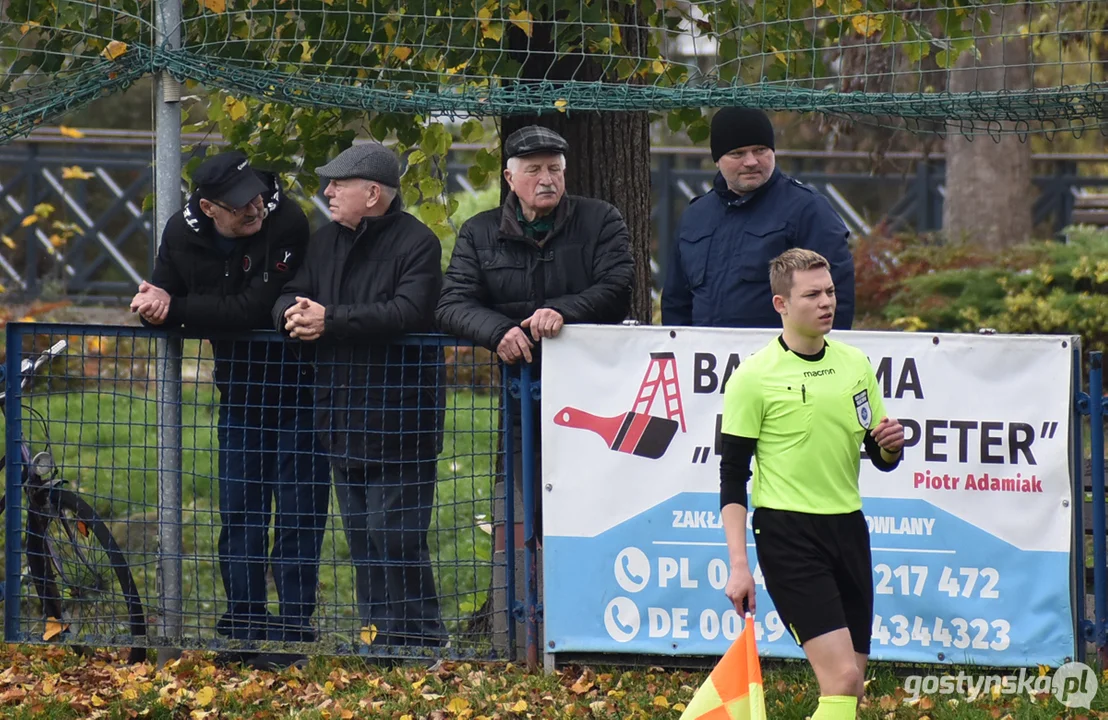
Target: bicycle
(72, 559)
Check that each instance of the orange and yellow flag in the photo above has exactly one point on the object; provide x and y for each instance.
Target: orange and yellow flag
(734, 689)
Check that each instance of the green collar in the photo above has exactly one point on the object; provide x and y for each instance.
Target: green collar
(538, 226)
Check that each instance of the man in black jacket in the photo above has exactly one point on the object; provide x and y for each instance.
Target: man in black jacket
(222, 263)
(543, 259)
(370, 277)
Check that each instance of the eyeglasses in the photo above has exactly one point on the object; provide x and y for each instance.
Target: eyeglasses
(235, 212)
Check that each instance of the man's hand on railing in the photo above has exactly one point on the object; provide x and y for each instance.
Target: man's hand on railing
(305, 319)
(151, 303)
(513, 346)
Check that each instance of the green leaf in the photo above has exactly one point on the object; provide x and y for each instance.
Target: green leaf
(477, 175)
(416, 157)
(432, 213)
(945, 58)
(472, 131)
(699, 131)
(674, 122)
(430, 187)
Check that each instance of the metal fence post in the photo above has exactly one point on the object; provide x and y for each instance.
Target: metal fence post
(530, 609)
(13, 540)
(509, 512)
(1077, 465)
(170, 593)
(1096, 446)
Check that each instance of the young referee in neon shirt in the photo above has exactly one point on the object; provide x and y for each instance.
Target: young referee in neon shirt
(801, 407)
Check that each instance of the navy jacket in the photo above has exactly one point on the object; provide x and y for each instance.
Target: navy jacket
(718, 268)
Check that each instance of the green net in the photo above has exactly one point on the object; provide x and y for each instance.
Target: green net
(969, 66)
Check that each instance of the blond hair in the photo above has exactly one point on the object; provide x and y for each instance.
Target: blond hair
(782, 267)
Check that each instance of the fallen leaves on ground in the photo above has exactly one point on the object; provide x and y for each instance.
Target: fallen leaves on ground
(55, 682)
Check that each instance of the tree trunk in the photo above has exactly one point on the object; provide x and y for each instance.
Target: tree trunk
(609, 159)
(988, 183)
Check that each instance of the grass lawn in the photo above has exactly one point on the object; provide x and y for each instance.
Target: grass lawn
(104, 439)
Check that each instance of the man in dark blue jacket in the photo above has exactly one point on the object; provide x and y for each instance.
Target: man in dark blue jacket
(718, 268)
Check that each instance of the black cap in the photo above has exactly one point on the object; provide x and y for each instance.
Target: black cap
(736, 127)
(534, 139)
(229, 179)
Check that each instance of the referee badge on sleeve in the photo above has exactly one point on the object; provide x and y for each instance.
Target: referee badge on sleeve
(861, 408)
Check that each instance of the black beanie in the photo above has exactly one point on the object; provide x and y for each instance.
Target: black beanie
(735, 127)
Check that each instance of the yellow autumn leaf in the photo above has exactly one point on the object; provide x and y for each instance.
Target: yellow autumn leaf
(401, 52)
(97, 701)
(781, 57)
(238, 110)
(561, 103)
(661, 701)
(130, 694)
(57, 240)
(817, 3)
(405, 717)
(29, 221)
(205, 696)
(852, 6)
(866, 24)
(369, 634)
(522, 20)
(657, 67)
(494, 31)
(26, 27)
(2, 288)
(43, 210)
(7, 241)
(216, 6)
(419, 683)
(75, 172)
(115, 49)
(520, 706)
(306, 51)
(71, 132)
(47, 687)
(679, 707)
(457, 705)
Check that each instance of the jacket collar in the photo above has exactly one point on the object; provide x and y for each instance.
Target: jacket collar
(378, 223)
(510, 226)
(730, 197)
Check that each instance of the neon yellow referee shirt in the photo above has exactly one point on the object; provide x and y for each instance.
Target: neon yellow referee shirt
(809, 418)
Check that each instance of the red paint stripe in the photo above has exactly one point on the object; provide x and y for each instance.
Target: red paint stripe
(634, 433)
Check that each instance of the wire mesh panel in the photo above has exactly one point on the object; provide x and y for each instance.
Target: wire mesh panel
(973, 65)
(331, 503)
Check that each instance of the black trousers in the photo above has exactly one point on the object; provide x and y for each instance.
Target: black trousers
(386, 512)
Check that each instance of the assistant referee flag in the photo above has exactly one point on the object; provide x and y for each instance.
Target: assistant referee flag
(733, 691)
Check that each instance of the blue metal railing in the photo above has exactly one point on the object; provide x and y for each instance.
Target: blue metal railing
(118, 483)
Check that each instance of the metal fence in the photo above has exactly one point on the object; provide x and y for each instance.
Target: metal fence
(98, 241)
(121, 528)
(139, 493)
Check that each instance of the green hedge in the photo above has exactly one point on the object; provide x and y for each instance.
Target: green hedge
(1043, 287)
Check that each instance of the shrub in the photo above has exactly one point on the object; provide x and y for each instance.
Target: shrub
(1043, 287)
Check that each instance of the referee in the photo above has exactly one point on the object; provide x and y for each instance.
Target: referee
(802, 407)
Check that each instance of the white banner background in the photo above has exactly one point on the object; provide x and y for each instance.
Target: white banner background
(634, 553)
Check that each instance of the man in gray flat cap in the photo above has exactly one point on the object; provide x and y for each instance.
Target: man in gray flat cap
(370, 276)
(521, 271)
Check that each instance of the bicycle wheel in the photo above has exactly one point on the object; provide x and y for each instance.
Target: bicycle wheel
(80, 575)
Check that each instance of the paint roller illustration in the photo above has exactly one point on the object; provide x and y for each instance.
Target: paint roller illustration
(637, 432)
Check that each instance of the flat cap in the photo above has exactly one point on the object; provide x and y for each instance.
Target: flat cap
(534, 139)
(228, 178)
(369, 161)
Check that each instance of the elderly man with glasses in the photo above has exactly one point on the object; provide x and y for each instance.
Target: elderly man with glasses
(223, 261)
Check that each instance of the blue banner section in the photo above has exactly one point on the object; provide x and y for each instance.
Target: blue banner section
(945, 591)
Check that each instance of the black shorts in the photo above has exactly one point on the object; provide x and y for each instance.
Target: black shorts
(818, 572)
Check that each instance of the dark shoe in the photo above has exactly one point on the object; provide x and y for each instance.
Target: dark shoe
(277, 661)
(226, 658)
